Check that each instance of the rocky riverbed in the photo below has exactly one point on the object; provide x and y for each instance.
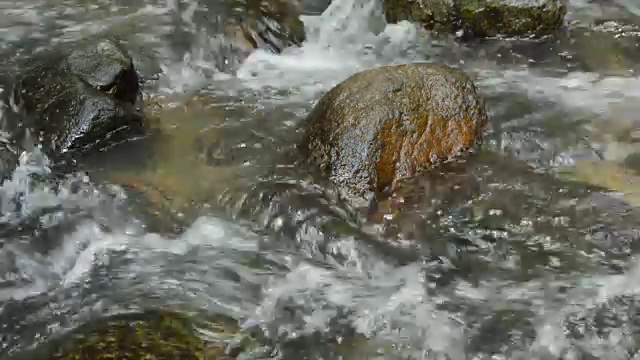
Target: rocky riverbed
(354, 179)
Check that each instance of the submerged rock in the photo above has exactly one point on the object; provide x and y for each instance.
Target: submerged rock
(491, 217)
(481, 18)
(621, 177)
(383, 124)
(152, 334)
(75, 101)
(191, 159)
(511, 17)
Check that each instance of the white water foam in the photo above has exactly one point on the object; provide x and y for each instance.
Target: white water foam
(351, 36)
(387, 303)
(577, 90)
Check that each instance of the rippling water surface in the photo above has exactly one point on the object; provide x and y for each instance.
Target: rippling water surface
(494, 260)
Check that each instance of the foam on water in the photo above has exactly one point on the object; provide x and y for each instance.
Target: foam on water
(577, 90)
(388, 304)
(210, 265)
(351, 35)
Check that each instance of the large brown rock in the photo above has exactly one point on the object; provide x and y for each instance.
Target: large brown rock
(383, 124)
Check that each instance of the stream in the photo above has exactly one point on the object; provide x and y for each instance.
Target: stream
(209, 215)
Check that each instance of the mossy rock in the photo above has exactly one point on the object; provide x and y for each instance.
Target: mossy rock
(151, 335)
(438, 15)
(488, 18)
(481, 18)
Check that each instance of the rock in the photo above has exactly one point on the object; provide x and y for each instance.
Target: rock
(511, 17)
(481, 18)
(151, 334)
(75, 101)
(438, 15)
(271, 25)
(190, 159)
(383, 124)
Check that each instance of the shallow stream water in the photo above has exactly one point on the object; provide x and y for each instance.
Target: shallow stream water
(207, 214)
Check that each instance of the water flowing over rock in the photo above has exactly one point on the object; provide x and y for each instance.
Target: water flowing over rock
(74, 101)
(265, 24)
(481, 18)
(391, 122)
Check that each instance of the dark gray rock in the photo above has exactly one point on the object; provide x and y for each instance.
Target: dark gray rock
(70, 102)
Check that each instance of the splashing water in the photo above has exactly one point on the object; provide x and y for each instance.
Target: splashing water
(83, 254)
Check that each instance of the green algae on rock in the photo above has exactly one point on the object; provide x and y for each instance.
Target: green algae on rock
(435, 15)
(481, 18)
(390, 122)
(151, 334)
(486, 18)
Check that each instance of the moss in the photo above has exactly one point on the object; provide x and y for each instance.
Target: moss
(432, 14)
(510, 18)
(148, 335)
(480, 18)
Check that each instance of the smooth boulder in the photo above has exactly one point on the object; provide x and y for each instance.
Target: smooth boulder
(481, 18)
(391, 122)
(73, 101)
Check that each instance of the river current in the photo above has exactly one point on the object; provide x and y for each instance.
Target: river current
(74, 248)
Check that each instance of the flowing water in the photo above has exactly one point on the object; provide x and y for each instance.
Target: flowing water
(512, 263)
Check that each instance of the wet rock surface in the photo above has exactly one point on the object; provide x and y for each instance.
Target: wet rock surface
(75, 101)
(511, 17)
(492, 242)
(151, 334)
(435, 15)
(391, 122)
(271, 25)
(481, 18)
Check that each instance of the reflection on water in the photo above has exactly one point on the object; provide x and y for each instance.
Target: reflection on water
(498, 261)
